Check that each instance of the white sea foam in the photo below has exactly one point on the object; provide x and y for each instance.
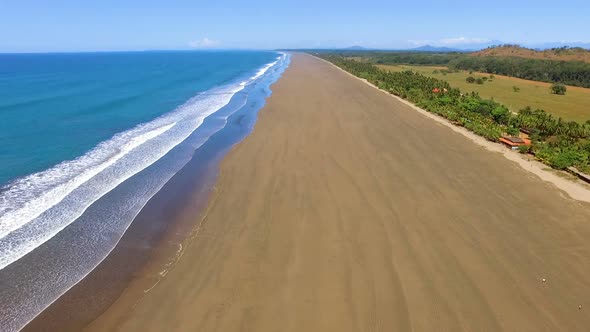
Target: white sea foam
(264, 69)
(90, 165)
(35, 208)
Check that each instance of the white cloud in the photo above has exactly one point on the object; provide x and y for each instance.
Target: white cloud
(204, 43)
(420, 42)
(462, 40)
(450, 41)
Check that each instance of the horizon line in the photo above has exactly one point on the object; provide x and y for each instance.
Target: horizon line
(457, 48)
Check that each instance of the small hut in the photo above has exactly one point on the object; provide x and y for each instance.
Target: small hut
(513, 142)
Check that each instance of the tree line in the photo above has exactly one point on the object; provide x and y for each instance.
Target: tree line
(566, 72)
(575, 73)
(556, 142)
(413, 58)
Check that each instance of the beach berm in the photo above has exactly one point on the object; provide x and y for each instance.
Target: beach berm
(347, 210)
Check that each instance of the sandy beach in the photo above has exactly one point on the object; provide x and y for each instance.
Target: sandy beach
(347, 210)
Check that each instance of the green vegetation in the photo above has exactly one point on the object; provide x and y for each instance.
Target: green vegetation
(470, 79)
(556, 142)
(413, 58)
(558, 89)
(479, 80)
(515, 89)
(575, 73)
(575, 105)
(524, 149)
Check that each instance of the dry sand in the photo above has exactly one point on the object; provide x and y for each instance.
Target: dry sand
(346, 210)
(575, 188)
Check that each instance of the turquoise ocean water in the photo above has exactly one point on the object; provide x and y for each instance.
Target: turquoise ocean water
(56, 107)
(77, 127)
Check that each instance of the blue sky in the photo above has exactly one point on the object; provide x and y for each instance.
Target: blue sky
(84, 25)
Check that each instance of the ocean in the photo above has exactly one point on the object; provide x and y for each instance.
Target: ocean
(87, 139)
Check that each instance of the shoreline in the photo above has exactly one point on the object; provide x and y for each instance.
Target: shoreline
(144, 250)
(155, 237)
(576, 189)
(337, 223)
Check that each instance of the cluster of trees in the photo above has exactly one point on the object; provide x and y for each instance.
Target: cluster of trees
(399, 57)
(444, 72)
(479, 80)
(558, 89)
(415, 58)
(575, 73)
(566, 72)
(556, 142)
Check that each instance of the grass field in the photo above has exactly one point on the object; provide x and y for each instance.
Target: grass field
(574, 105)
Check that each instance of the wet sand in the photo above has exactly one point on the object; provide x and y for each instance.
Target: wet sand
(347, 210)
(147, 247)
(153, 242)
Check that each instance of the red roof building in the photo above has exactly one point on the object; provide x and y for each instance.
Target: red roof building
(514, 142)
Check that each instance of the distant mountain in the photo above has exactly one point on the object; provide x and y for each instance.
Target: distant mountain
(457, 48)
(470, 47)
(355, 48)
(430, 48)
